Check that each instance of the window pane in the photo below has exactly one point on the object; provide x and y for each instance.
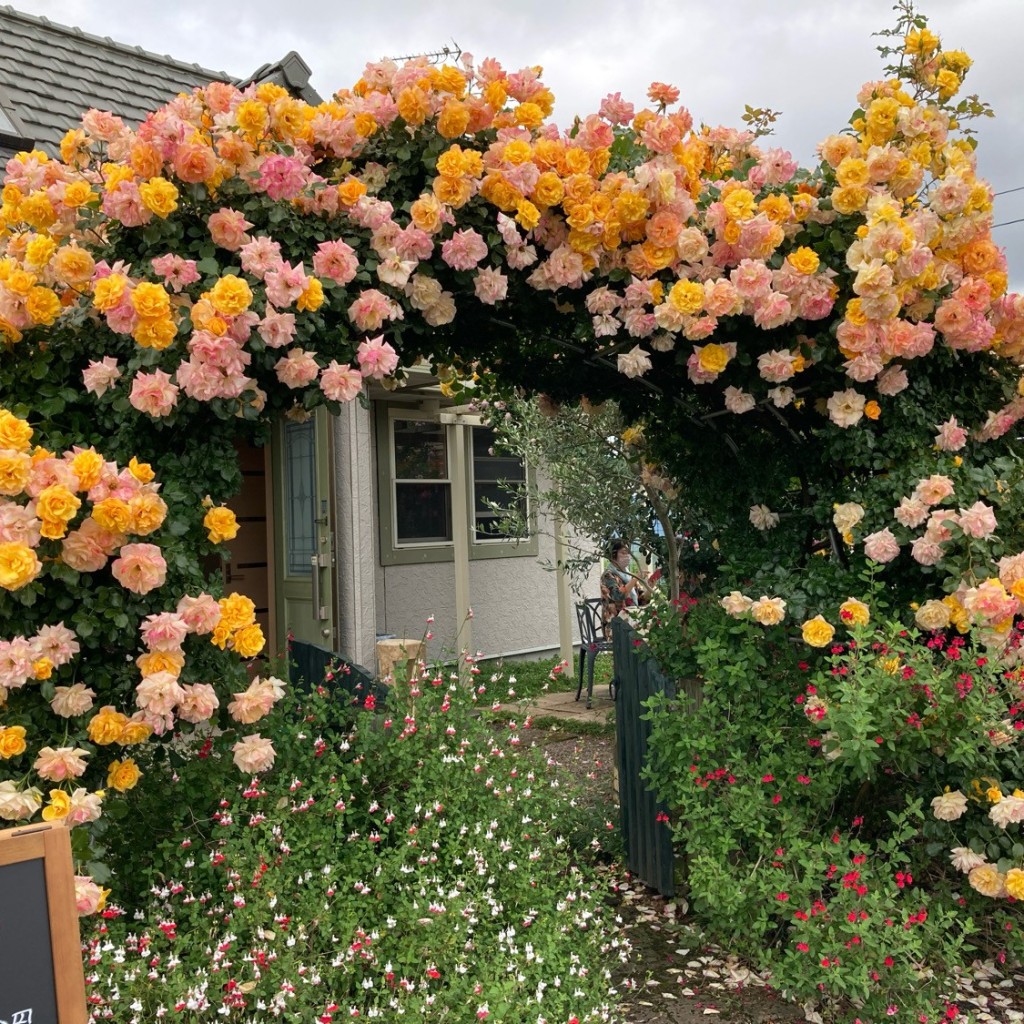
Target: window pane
(299, 496)
(421, 451)
(497, 480)
(423, 513)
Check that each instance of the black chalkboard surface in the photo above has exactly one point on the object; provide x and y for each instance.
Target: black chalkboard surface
(26, 965)
(42, 980)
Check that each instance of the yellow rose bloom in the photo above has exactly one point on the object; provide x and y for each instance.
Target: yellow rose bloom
(113, 514)
(39, 251)
(994, 794)
(527, 215)
(58, 807)
(236, 611)
(849, 200)
(453, 119)
(37, 211)
(528, 115)
(221, 635)
(142, 471)
(87, 466)
(108, 292)
(155, 334)
(133, 733)
(351, 191)
(854, 612)
(948, 82)
(686, 297)
(852, 171)
(312, 298)
(106, 725)
(161, 661)
(804, 260)
(78, 193)
(739, 204)
(1014, 883)
(872, 410)
(18, 565)
(248, 641)
(252, 117)
(15, 433)
(42, 305)
(123, 775)
(12, 741)
(713, 358)
(151, 301)
(15, 468)
(230, 295)
(221, 524)
(159, 196)
(817, 632)
(148, 512)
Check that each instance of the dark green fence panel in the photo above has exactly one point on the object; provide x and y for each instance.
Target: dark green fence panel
(648, 840)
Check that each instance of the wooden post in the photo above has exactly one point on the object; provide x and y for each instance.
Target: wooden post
(461, 511)
(564, 597)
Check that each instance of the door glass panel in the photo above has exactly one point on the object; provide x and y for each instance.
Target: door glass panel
(300, 496)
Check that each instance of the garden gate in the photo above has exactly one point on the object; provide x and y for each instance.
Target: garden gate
(644, 819)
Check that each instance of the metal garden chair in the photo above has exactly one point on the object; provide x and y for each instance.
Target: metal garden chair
(592, 643)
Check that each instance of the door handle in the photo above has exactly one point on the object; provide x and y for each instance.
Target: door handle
(314, 562)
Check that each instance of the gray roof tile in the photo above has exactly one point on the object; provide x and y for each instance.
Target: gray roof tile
(51, 74)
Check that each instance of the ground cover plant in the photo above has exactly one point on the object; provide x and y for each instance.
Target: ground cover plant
(413, 861)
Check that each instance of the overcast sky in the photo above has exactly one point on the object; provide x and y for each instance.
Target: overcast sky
(806, 58)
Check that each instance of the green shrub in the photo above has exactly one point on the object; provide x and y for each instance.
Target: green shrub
(411, 863)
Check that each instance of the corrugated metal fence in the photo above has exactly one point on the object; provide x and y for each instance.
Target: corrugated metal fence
(648, 840)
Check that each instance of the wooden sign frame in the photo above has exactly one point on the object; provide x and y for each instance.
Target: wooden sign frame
(51, 843)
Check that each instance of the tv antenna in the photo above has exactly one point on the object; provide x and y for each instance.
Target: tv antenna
(446, 53)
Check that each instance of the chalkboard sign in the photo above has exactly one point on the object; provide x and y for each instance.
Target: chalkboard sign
(41, 975)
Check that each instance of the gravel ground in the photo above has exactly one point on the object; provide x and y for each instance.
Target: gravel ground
(675, 978)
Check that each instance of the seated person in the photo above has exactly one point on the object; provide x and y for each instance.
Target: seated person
(619, 588)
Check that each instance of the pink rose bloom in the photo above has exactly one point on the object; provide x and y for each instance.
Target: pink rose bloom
(198, 702)
(16, 657)
(200, 614)
(18, 525)
(87, 548)
(194, 163)
(412, 243)
(978, 521)
(277, 329)
(58, 764)
(260, 256)
(371, 309)
(752, 279)
(634, 363)
(863, 368)
(663, 94)
(893, 381)
(615, 109)
(282, 177)
(153, 393)
(58, 643)
(164, 632)
(98, 376)
(124, 203)
(939, 525)
(71, 701)
(490, 285)
(85, 807)
(254, 754)
(991, 602)
(49, 472)
(228, 229)
(776, 366)
(159, 693)
(176, 271)
(103, 125)
(772, 310)
(340, 383)
(285, 284)
(376, 358)
(1011, 569)
(252, 704)
(881, 546)
(925, 551)
(934, 489)
(951, 436)
(464, 250)
(737, 401)
(911, 512)
(297, 369)
(335, 260)
(88, 895)
(140, 568)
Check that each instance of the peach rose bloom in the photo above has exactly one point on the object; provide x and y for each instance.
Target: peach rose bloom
(736, 604)
(85, 807)
(949, 806)
(201, 614)
(768, 611)
(140, 568)
(70, 701)
(61, 763)
(198, 703)
(934, 489)
(254, 754)
(89, 897)
(159, 694)
(881, 546)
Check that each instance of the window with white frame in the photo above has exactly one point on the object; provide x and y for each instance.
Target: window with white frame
(499, 487)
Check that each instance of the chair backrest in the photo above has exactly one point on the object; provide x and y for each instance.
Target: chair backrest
(588, 618)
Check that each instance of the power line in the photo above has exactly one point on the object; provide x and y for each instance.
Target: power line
(1005, 222)
(1007, 191)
